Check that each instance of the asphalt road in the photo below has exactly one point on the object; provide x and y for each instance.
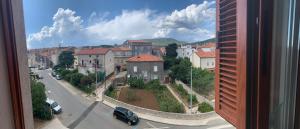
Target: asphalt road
(81, 113)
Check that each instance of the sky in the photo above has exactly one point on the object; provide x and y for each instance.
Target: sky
(49, 23)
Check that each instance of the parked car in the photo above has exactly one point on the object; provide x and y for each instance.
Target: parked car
(125, 115)
(58, 77)
(53, 74)
(54, 106)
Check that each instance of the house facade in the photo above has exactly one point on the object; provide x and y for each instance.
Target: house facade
(185, 51)
(121, 55)
(204, 59)
(146, 66)
(95, 59)
(139, 47)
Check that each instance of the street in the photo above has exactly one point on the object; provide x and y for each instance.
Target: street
(81, 113)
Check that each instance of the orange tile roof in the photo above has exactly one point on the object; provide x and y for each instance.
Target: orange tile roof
(93, 51)
(144, 58)
(206, 54)
(121, 49)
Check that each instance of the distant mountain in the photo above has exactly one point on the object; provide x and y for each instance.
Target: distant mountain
(205, 41)
(164, 41)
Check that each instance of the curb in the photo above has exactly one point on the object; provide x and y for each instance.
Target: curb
(170, 121)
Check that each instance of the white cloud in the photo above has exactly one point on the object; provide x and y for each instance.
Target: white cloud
(195, 22)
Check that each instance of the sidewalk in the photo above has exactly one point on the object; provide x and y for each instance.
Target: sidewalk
(54, 124)
(99, 91)
(204, 121)
(199, 97)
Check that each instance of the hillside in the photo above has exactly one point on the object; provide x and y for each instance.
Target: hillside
(205, 41)
(164, 41)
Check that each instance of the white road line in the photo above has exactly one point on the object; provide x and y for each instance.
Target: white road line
(221, 126)
(153, 127)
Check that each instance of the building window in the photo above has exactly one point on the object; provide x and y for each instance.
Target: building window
(155, 68)
(82, 62)
(90, 61)
(207, 63)
(135, 69)
(155, 77)
(90, 55)
(212, 63)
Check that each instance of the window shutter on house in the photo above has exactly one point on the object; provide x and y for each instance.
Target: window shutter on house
(230, 98)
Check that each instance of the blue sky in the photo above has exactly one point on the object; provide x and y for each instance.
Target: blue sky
(96, 22)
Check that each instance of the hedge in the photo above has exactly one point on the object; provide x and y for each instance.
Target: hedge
(205, 107)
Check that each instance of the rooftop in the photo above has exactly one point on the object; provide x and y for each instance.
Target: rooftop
(144, 58)
(206, 54)
(121, 49)
(208, 45)
(93, 51)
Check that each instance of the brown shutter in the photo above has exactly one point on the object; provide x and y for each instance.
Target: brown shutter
(230, 99)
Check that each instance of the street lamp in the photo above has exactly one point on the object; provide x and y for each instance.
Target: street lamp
(191, 95)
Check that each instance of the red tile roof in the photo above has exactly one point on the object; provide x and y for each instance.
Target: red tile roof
(144, 58)
(93, 51)
(206, 54)
(121, 49)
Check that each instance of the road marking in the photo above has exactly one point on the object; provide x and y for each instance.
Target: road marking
(153, 127)
(221, 126)
(83, 115)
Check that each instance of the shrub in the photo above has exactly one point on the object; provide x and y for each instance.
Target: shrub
(184, 94)
(64, 72)
(86, 80)
(75, 79)
(39, 106)
(136, 83)
(111, 92)
(205, 107)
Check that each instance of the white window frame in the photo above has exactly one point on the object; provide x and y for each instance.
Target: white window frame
(155, 68)
(135, 69)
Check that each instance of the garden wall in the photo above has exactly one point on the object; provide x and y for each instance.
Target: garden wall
(161, 114)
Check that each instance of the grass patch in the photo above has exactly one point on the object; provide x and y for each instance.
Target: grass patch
(205, 107)
(184, 94)
(166, 100)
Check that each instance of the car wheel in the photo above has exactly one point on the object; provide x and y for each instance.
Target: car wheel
(115, 116)
(129, 123)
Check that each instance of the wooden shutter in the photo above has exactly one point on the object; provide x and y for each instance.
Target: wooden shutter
(230, 98)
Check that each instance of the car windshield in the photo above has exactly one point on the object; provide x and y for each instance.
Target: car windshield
(54, 105)
(129, 113)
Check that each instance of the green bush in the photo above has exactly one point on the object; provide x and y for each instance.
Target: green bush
(75, 79)
(111, 92)
(184, 94)
(39, 106)
(86, 80)
(205, 107)
(136, 83)
(166, 100)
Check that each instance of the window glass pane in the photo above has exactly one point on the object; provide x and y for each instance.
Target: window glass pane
(285, 53)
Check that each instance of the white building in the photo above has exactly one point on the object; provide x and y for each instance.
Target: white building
(185, 51)
(95, 59)
(204, 58)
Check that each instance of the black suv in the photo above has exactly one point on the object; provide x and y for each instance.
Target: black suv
(126, 115)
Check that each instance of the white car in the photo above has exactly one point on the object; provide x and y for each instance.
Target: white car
(54, 106)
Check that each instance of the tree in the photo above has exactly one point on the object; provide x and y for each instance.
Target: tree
(181, 71)
(66, 59)
(203, 81)
(39, 106)
(171, 50)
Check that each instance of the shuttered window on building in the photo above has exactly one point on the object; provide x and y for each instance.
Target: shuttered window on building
(230, 70)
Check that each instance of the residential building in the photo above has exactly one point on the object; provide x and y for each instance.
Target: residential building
(146, 66)
(139, 46)
(95, 59)
(204, 58)
(121, 55)
(185, 51)
(159, 51)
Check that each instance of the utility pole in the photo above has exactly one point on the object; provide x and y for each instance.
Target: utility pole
(191, 99)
